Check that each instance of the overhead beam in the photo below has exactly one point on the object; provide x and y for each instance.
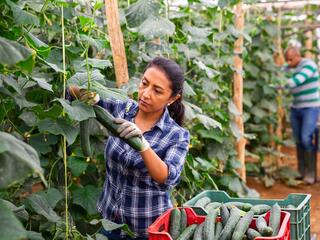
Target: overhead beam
(283, 5)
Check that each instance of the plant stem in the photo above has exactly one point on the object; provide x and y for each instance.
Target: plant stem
(64, 142)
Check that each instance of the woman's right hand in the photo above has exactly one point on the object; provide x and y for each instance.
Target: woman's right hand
(84, 95)
(90, 98)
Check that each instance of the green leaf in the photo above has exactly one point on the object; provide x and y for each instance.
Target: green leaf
(41, 206)
(235, 130)
(139, 11)
(211, 134)
(17, 160)
(187, 90)
(209, 71)
(12, 82)
(87, 198)
(42, 48)
(29, 118)
(233, 109)
(78, 111)
(77, 165)
(20, 212)
(43, 142)
(23, 17)
(31, 235)
(52, 195)
(43, 84)
(154, 27)
(59, 127)
(110, 226)
(12, 53)
(81, 78)
(208, 122)
(96, 63)
(10, 227)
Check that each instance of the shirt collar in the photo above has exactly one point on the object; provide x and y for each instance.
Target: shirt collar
(132, 110)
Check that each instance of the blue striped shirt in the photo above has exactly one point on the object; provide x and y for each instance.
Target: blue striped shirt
(129, 194)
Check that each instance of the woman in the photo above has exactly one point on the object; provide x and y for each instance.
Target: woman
(136, 189)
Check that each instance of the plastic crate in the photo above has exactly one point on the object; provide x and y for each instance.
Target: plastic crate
(160, 228)
(299, 216)
(284, 230)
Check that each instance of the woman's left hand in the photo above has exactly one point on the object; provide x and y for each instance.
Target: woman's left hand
(128, 129)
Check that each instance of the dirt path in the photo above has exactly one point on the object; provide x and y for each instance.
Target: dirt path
(280, 190)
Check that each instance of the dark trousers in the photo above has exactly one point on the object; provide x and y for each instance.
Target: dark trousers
(115, 235)
(304, 125)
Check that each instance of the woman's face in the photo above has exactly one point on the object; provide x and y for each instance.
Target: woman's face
(155, 91)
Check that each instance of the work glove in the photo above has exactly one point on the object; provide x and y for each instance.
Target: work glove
(90, 98)
(128, 130)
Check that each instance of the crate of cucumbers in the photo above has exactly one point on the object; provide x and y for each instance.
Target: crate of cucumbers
(298, 205)
(221, 223)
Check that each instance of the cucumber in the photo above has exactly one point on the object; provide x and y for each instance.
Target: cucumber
(184, 220)
(242, 226)
(209, 225)
(198, 232)
(227, 231)
(202, 202)
(218, 230)
(274, 220)
(224, 212)
(188, 232)
(260, 209)
(212, 205)
(175, 219)
(106, 119)
(241, 205)
(85, 138)
(252, 234)
(262, 227)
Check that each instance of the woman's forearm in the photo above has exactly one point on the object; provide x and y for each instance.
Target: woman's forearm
(157, 168)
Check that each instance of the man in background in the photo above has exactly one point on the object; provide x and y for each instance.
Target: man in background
(304, 86)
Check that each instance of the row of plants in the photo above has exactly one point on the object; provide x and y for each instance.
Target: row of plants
(47, 45)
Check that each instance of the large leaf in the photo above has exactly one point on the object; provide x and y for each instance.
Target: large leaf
(23, 17)
(52, 195)
(78, 111)
(10, 226)
(12, 53)
(43, 83)
(17, 160)
(87, 198)
(139, 11)
(156, 26)
(20, 212)
(41, 206)
(96, 63)
(34, 235)
(77, 165)
(59, 127)
(42, 48)
(208, 122)
(110, 226)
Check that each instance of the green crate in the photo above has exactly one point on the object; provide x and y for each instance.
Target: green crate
(299, 216)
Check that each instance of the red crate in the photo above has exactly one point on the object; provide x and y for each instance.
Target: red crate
(160, 228)
(284, 231)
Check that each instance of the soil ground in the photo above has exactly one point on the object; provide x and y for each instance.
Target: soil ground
(280, 190)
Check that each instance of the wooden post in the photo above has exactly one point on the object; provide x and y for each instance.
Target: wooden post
(116, 42)
(309, 36)
(280, 111)
(238, 86)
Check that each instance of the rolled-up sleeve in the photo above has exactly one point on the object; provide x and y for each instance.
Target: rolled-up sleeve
(175, 158)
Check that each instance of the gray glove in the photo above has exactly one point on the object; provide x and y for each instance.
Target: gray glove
(128, 130)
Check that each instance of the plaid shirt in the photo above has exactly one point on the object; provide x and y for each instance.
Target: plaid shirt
(129, 194)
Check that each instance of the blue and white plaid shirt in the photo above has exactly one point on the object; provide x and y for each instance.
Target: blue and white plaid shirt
(129, 194)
